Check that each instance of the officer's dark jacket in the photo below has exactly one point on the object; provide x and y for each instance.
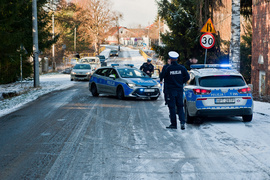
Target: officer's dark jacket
(147, 67)
(161, 75)
(175, 76)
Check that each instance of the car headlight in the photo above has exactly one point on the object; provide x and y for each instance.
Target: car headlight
(73, 73)
(131, 85)
(88, 73)
(157, 85)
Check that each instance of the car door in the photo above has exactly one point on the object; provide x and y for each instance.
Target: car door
(111, 82)
(101, 80)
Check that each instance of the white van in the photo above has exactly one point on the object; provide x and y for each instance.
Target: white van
(93, 61)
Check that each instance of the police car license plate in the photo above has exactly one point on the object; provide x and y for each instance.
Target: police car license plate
(224, 100)
(149, 90)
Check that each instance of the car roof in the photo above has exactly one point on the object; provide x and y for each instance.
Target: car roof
(117, 66)
(214, 71)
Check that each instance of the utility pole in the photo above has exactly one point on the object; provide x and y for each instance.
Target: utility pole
(53, 54)
(159, 30)
(75, 40)
(35, 43)
(118, 34)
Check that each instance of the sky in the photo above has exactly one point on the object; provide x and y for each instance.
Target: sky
(135, 12)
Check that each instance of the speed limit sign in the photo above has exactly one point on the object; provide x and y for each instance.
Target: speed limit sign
(207, 40)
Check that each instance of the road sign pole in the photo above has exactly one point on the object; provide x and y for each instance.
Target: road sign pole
(205, 56)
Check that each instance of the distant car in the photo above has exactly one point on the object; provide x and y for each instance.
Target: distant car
(93, 61)
(114, 52)
(217, 90)
(89, 60)
(123, 81)
(81, 72)
(67, 71)
(102, 59)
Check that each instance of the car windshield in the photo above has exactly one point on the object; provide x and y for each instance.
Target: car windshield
(87, 60)
(221, 81)
(131, 73)
(82, 66)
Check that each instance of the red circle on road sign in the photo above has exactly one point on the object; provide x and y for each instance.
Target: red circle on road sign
(207, 40)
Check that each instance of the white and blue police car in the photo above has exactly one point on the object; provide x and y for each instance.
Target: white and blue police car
(217, 90)
(123, 81)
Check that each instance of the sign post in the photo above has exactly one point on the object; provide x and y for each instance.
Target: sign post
(207, 41)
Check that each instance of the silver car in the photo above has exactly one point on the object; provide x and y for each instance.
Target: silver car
(81, 72)
(217, 90)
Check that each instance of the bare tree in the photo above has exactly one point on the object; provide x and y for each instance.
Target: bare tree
(96, 18)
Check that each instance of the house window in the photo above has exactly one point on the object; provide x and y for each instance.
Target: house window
(260, 60)
(262, 83)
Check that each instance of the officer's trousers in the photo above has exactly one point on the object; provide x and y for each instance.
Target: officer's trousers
(176, 104)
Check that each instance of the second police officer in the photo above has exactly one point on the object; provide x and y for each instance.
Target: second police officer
(175, 76)
(147, 67)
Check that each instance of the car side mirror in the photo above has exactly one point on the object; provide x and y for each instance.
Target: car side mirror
(112, 76)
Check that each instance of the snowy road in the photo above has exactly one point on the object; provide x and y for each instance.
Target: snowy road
(69, 134)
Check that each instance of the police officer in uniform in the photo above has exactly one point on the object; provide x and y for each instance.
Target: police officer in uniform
(147, 67)
(175, 76)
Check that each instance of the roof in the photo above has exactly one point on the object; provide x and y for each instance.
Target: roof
(214, 72)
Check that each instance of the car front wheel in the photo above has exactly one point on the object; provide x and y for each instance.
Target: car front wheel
(94, 90)
(120, 93)
(247, 118)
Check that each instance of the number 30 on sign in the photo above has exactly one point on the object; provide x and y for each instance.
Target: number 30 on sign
(207, 40)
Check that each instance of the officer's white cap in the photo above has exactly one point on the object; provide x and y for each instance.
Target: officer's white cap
(173, 55)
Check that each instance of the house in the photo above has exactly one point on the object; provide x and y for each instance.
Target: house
(112, 36)
(126, 36)
(135, 36)
(260, 49)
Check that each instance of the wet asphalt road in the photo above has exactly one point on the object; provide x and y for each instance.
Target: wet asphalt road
(70, 134)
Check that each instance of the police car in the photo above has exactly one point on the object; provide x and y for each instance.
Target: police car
(217, 90)
(123, 81)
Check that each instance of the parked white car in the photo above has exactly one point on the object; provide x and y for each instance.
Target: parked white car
(93, 61)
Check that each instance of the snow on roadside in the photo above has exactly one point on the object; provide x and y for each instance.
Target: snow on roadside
(262, 108)
(48, 83)
(56, 81)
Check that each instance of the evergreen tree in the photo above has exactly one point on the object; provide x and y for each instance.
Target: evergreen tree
(182, 19)
(184, 32)
(16, 29)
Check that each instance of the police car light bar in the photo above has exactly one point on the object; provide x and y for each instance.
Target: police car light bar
(199, 66)
(114, 65)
